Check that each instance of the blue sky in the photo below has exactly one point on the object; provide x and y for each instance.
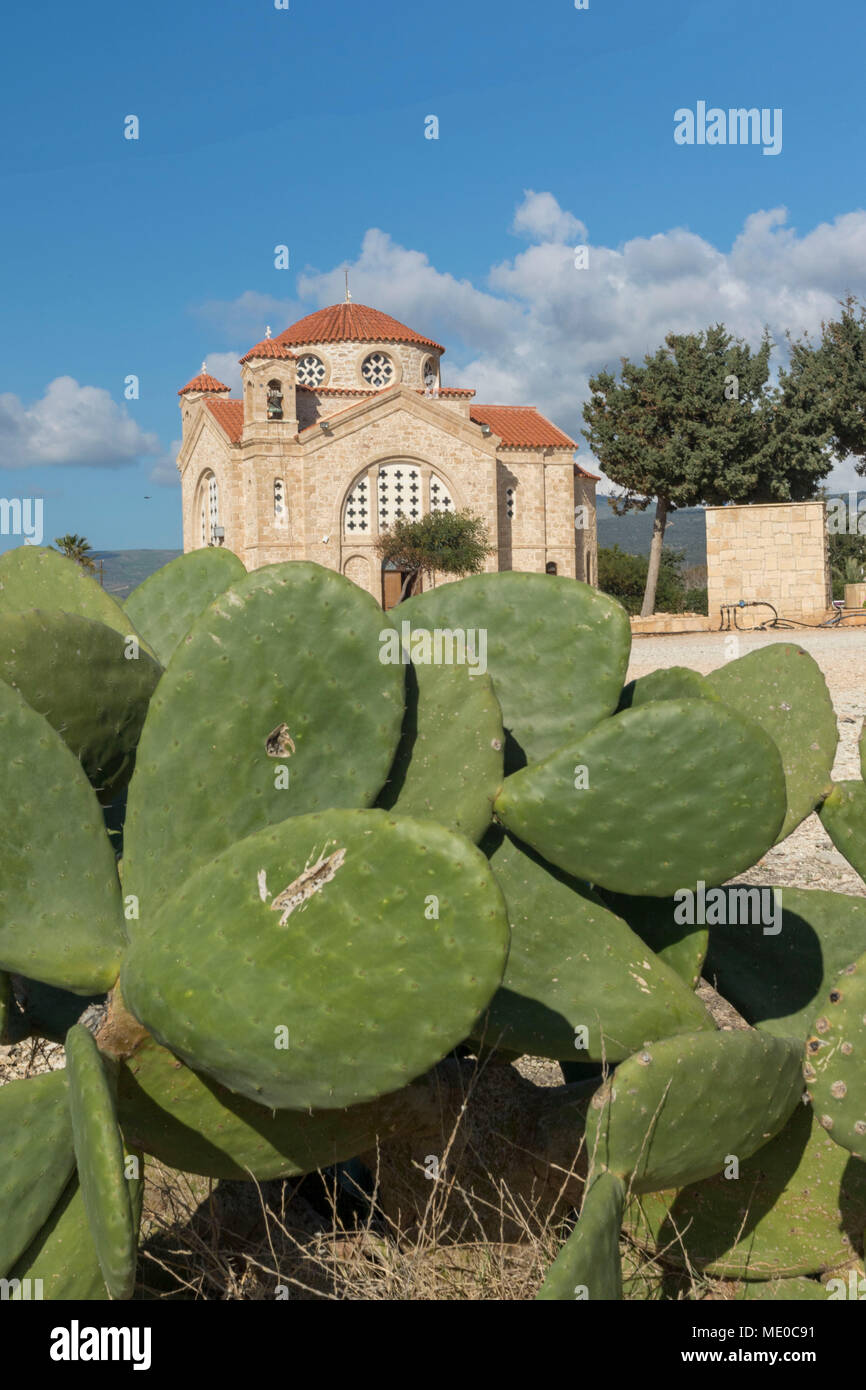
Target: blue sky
(306, 126)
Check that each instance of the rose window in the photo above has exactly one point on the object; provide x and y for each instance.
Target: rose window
(378, 370)
(311, 370)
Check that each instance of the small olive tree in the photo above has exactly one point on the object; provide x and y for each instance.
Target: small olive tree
(450, 542)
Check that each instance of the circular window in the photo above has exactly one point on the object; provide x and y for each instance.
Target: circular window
(311, 370)
(378, 370)
(429, 372)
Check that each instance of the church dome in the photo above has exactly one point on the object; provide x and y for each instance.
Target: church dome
(352, 323)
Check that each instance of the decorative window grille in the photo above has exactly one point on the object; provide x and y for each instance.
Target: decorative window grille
(430, 374)
(357, 514)
(440, 498)
(378, 370)
(280, 512)
(311, 370)
(275, 400)
(509, 503)
(399, 493)
(213, 508)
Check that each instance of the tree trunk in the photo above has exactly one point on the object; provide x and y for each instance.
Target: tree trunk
(408, 584)
(655, 558)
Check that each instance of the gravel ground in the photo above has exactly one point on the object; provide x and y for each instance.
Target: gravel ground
(808, 858)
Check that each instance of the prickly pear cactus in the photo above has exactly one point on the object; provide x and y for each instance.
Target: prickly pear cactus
(345, 876)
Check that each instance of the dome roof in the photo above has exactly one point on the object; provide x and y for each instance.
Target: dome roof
(203, 382)
(352, 323)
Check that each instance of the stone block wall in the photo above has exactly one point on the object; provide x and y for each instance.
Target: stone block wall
(775, 552)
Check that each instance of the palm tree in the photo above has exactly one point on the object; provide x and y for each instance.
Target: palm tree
(77, 548)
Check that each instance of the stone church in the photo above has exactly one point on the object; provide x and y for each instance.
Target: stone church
(343, 425)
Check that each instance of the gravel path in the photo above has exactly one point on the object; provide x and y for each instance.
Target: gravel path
(807, 859)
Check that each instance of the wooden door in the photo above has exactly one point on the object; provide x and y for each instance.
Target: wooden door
(392, 585)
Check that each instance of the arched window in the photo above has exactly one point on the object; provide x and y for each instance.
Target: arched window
(275, 400)
(213, 502)
(550, 567)
(281, 515)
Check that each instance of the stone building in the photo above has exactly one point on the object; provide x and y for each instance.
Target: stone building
(342, 426)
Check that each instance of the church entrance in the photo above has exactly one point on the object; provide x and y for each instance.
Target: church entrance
(392, 585)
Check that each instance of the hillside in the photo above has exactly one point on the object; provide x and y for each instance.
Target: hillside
(123, 570)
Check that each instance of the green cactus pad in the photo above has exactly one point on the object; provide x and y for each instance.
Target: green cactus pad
(38, 577)
(276, 705)
(843, 816)
(36, 1158)
(798, 1207)
(60, 910)
(782, 688)
(449, 763)
(573, 963)
(63, 1255)
(325, 961)
(588, 1266)
(77, 674)
(100, 1157)
(165, 606)
(668, 683)
(627, 807)
(681, 946)
(778, 981)
(835, 1066)
(670, 1114)
(191, 1123)
(557, 650)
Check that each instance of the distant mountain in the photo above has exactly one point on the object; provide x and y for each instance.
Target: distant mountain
(685, 530)
(123, 570)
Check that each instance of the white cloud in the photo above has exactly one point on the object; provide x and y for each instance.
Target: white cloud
(164, 472)
(540, 218)
(71, 425)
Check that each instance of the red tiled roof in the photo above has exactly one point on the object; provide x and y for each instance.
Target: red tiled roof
(521, 427)
(355, 323)
(229, 415)
(269, 347)
(204, 382)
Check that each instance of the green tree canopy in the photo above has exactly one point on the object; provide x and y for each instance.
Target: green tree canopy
(77, 548)
(450, 542)
(698, 424)
(830, 378)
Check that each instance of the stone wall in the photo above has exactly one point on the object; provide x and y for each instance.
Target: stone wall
(775, 552)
